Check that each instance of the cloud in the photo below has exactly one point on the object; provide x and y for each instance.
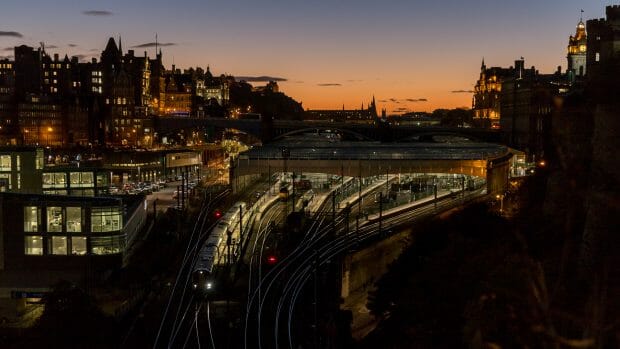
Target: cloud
(13, 34)
(9, 49)
(51, 46)
(97, 13)
(400, 110)
(355, 80)
(153, 44)
(462, 91)
(6, 57)
(261, 78)
(94, 49)
(405, 100)
(72, 45)
(328, 84)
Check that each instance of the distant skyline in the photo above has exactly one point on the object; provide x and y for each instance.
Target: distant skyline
(411, 55)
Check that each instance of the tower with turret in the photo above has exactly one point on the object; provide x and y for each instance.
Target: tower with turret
(577, 51)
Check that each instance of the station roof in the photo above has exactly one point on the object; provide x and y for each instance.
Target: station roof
(305, 149)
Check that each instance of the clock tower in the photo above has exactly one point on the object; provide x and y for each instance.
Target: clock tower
(577, 52)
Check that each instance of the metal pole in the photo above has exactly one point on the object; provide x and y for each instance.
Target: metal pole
(334, 211)
(316, 299)
(380, 210)
(240, 228)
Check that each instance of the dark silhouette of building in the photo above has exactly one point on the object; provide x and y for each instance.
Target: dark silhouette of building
(363, 115)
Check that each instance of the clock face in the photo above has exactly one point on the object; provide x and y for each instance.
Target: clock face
(582, 48)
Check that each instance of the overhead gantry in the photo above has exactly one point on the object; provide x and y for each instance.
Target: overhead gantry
(364, 159)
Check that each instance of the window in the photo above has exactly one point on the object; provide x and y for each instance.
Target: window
(33, 245)
(74, 219)
(18, 162)
(54, 180)
(5, 182)
(32, 218)
(81, 179)
(78, 246)
(102, 180)
(597, 57)
(54, 219)
(107, 244)
(40, 160)
(5, 162)
(105, 219)
(58, 245)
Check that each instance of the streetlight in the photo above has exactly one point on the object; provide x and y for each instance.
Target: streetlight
(49, 131)
(500, 197)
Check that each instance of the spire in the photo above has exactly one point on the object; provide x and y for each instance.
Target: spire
(156, 43)
(111, 46)
(120, 45)
(581, 17)
(482, 66)
(373, 100)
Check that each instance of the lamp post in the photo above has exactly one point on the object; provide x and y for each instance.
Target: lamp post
(500, 197)
(49, 132)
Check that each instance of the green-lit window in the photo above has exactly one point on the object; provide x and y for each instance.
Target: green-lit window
(58, 245)
(107, 244)
(5, 162)
(33, 245)
(102, 180)
(39, 160)
(54, 219)
(32, 218)
(74, 219)
(104, 219)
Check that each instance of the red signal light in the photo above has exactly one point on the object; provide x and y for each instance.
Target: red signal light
(271, 260)
(217, 214)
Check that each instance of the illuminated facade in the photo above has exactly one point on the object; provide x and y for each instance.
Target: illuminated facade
(58, 233)
(211, 89)
(577, 47)
(486, 101)
(178, 94)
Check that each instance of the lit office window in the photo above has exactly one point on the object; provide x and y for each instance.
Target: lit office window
(54, 219)
(81, 179)
(54, 180)
(32, 217)
(58, 245)
(5, 182)
(40, 159)
(78, 246)
(33, 245)
(106, 244)
(74, 219)
(5, 162)
(105, 219)
(18, 162)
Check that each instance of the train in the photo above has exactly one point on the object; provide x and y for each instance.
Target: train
(213, 251)
(283, 194)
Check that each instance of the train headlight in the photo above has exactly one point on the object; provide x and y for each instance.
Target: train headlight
(195, 286)
(209, 285)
